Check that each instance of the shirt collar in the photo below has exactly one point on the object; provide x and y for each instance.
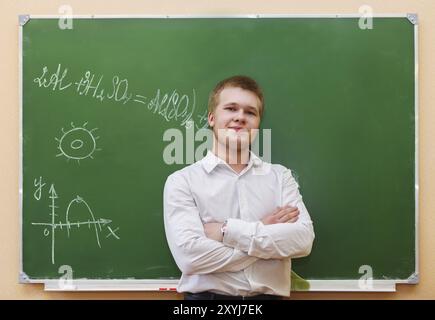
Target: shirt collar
(210, 161)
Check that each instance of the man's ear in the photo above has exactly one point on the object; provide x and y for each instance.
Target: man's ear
(211, 119)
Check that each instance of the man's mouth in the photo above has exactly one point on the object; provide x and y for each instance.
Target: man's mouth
(237, 129)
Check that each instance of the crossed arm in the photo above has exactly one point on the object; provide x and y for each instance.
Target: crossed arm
(286, 214)
(200, 249)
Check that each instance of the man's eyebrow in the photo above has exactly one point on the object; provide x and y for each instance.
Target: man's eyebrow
(236, 104)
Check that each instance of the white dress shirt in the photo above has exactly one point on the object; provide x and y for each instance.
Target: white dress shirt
(253, 258)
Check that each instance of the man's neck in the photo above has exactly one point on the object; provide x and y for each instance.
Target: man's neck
(236, 159)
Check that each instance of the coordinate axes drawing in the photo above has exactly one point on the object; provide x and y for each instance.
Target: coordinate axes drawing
(93, 222)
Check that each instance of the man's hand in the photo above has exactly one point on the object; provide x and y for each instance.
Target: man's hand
(282, 215)
(213, 231)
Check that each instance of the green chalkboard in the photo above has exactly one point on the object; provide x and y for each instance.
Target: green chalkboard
(97, 99)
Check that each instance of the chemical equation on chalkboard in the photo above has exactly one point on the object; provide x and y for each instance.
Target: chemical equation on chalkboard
(77, 143)
(171, 106)
(97, 224)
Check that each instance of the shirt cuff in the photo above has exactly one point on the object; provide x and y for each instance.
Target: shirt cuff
(239, 234)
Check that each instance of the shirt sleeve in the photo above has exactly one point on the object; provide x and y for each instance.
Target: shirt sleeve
(275, 241)
(193, 252)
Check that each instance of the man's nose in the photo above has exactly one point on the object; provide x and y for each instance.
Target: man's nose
(240, 116)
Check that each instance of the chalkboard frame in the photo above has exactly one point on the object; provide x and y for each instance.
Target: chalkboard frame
(170, 285)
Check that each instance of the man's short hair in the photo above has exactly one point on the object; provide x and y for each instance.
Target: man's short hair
(239, 81)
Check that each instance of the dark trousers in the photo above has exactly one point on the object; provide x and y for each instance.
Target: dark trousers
(214, 296)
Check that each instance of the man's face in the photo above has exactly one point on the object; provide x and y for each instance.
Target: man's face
(237, 113)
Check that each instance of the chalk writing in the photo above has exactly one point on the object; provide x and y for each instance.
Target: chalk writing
(171, 106)
(78, 143)
(96, 223)
(39, 185)
(53, 80)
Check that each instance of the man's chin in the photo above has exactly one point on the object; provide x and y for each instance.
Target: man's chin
(238, 146)
(238, 142)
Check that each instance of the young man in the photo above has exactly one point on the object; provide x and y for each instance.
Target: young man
(232, 221)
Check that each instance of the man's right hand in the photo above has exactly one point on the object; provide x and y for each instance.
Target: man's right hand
(282, 215)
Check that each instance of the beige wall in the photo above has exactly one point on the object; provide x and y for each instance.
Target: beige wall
(9, 125)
